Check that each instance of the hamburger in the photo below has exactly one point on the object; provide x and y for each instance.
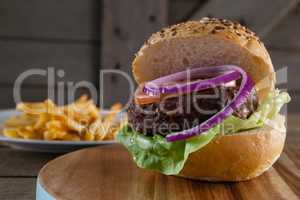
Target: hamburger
(206, 106)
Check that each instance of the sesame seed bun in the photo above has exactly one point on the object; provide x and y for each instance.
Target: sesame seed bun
(208, 42)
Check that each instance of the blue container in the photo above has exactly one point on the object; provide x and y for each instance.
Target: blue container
(41, 193)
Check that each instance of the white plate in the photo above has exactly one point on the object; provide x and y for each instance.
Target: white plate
(43, 145)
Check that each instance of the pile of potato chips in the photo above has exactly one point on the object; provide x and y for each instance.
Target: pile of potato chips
(77, 121)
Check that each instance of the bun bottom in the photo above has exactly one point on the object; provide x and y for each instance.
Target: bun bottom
(238, 157)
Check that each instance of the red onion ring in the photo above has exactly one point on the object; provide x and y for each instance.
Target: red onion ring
(241, 96)
(156, 87)
(151, 91)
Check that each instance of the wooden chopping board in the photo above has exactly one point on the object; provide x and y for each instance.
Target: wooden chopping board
(109, 173)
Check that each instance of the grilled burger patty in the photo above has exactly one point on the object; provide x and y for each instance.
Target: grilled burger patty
(177, 113)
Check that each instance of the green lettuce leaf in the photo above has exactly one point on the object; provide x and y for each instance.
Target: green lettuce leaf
(156, 153)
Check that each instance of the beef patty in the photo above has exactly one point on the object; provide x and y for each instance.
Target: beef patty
(177, 113)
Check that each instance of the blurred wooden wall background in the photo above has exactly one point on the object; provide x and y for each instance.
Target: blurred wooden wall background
(82, 36)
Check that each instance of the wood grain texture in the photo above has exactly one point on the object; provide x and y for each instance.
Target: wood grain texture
(79, 61)
(251, 13)
(270, 185)
(110, 174)
(124, 29)
(293, 130)
(17, 188)
(50, 19)
(16, 163)
(39, 93)
(291, 59)
(288, 169)
(182, 10)
(31, 93)
(286, 34)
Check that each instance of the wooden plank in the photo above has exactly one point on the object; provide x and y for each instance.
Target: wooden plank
(293, 106)
(48, 19)
(270, 185)
(286, 33)
(289, 171)
(293, 153)
(17, 188)
(282, 58)
(79, 61)
(37, 93)
(293, 123)
(122, 36)
(293, 129)
(27, 94)
(182, 10)
(259, 15)
(16, 163)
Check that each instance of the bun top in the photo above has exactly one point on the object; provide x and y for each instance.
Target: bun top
(207, 42)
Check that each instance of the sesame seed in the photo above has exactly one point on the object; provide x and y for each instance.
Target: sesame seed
(219, 28)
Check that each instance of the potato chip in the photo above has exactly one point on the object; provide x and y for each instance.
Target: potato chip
(41, 122)
(26, 134)
(71, 137)
(11, 133)
(17, 121)
(89, 136)
(38, 108)
(49, 135)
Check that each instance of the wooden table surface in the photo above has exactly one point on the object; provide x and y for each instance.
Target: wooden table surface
(19, 169)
